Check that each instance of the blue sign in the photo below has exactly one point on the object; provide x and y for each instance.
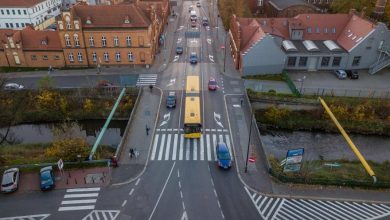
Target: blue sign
(295, 152)
(293, 160)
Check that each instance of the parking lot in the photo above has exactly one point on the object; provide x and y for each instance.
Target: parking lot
(326, 83)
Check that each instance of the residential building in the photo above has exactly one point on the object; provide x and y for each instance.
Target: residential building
(308, 42)
(30, 48)
(108, 35)
(16, 14)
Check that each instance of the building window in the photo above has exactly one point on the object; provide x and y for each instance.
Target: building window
(142, 56)
(79, 57)
(336, 61)
(12, 25)
(309, 30)
(76, 40)
(291, 61)
(302, 61)
(70, 57)
(118, 57)
(356, 61)
(68, 25)
(7, 25)
(325, 61)
(7, 12)
(116, 42)
(105, 56)
(104, 41)
(128, 41)
(130, 57)
(94, 57)
(2, 11)
(317, 30)
(325, 30)
(91, 42)
(22, 24)
(333, 30)
(67, 40)
(25, 12)
(259, 3)
(45, 57)
(13, 12)
(56, 57)
(19, 12)
(33, 57)
(17, 25)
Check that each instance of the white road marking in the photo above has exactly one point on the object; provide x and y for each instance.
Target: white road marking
(154, 147)
(124, 203)
(136, 183)
(131, 191)
(195, 150)
(168, 148)
(181, 146)
(201, 148)
(208, 147)
(68, 196)
(227, 137)
(83, 190)
(83, 201)
(160, 153)
(174, 146)
(214, 144)
(188, 150)
(74, 208)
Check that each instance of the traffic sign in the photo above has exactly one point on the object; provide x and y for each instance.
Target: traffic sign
(252, 159)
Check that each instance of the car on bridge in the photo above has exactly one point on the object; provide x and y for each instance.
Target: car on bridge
(224, 158)
(193, 58)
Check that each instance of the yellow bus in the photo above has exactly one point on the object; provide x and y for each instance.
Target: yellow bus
(192, 114)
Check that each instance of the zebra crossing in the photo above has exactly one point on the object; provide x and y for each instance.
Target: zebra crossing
(271, 208)
(102, 214)
(170, 144)
(79, 199)
(146, 79)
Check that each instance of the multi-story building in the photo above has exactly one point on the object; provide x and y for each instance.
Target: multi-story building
(16, 14)
(108, 35)
(309, 42)
(30, 48)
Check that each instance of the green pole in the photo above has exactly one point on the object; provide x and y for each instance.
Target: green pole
(99, 138)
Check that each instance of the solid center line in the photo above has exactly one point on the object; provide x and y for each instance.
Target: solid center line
(124, 203)
(162, 191)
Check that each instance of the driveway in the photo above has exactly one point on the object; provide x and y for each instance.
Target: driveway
(326, 83)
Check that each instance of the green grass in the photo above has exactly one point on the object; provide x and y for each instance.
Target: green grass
(271, 77)
(350, 173)
(20, 154)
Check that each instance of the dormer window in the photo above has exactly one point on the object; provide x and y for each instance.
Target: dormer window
(127, 20)
(44, 42)
(88, 21)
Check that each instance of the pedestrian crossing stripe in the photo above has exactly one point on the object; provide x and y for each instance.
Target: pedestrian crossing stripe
(30, 217)
(271, 208)
(170, 146)
(102, 214)
(146, 79)
(79, 199)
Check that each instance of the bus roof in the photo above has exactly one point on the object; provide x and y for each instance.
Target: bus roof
(192, 111)
(192, 85)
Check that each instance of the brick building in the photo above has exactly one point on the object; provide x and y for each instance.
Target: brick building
(125, 34)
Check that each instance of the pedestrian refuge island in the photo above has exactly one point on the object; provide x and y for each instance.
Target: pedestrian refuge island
(349, 141)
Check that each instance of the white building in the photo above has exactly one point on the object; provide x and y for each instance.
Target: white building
(15, 14)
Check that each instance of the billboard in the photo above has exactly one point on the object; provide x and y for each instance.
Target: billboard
(293, 160)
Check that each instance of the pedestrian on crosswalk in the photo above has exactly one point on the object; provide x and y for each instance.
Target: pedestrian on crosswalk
(132, 154)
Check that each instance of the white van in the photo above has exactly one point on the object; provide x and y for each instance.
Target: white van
(193, 16)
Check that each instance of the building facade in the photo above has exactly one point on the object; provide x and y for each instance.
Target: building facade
(309, 42)
(16, 14)
(87, 36)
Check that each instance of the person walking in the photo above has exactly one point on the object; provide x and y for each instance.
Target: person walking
(132, 154)
(147, 130)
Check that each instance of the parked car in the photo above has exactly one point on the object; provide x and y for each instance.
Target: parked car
(341, 74)
(205, 21)
(13, 86)
(352, 74)
(198, 4)
(46, 177)
(10, 180)
(179, 50)
(171, 100)
(193, 58)
(212, 84)
(224, 159)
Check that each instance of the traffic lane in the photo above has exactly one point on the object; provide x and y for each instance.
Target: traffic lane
(198, 191)
(141, 200)
(235, 202)
(30, 203)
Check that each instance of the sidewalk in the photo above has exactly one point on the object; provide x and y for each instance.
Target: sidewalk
(145, 115)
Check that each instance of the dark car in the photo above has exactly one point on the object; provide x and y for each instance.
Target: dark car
(193, 58)
(352, 74)
(193, 24)
(205, 21)
(171, 100)
(10, 180)
(179, 50)
(212, 84)
(46, 178)
(224, 158)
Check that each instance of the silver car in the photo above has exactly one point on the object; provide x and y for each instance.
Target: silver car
(341, 74)
(13, 86)
(10, 181)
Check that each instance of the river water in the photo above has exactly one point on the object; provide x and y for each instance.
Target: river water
(89, 129)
